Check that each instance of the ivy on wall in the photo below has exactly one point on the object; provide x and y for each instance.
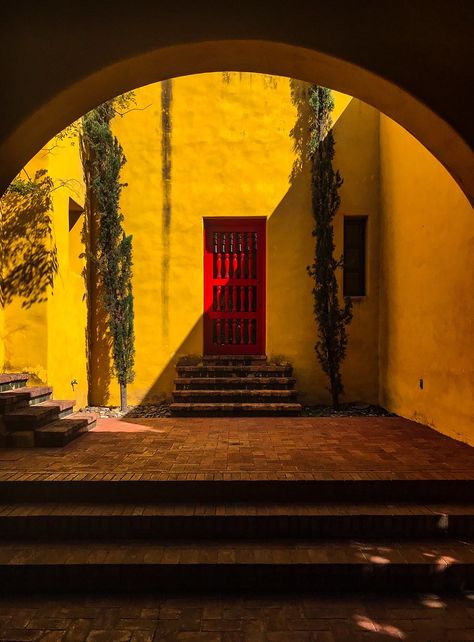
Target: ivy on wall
(103, 159)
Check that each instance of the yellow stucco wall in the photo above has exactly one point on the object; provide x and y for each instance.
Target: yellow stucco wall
(47, 338)
(427, 288)
(220, 145)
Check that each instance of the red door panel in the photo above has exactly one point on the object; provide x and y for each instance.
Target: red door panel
(234, 286)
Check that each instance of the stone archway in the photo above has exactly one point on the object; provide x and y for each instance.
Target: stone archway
(410, 62)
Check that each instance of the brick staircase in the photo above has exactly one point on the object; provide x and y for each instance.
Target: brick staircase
(118, 532)
(29, 417)
(235, 386)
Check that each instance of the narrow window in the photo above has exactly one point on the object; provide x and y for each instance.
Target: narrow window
(354, 255)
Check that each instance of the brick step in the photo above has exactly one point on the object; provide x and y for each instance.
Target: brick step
(234, 371)
(385, 565)
(23, 396)
(12, 381)
(235, 521)
(239, 383)
(38, 415)
(235, 409)
(64, 430)
(97, 487)
(236, 359)
(238, 397)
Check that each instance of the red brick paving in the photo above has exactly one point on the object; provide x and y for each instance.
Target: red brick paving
(153, 618)
(250, 448)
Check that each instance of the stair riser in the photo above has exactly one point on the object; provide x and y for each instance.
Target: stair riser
(16, 404)
(236, 413)
(234, 361)
(75, 527)
(18, 423)
(233, 371)
(58, 440)
(200, 383)
(37, 400)
(232, 577)
(419, 491)
(6, 387)
(191, 397)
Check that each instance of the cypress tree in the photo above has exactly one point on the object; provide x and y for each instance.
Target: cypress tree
(331, 317)
(103, 159)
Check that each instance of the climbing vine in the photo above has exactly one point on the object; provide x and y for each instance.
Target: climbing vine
(332, 318)
(103, 159)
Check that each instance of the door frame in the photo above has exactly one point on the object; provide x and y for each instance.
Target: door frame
(228, 223)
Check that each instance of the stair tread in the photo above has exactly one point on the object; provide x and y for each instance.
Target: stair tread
(64, 425)
(229, 393)
(234, 368)
(243, 509)
(224, 380)
(234, 357)
(236, 404)
(378, 553)
(6, 378)
(30, 391)
(63, 404)
(38, 410)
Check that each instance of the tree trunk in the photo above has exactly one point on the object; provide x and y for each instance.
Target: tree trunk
(123, 397)
(334, 393)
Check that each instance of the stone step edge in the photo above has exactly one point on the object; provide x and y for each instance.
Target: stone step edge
(234, 357)
(264, 392)
(235, 405)
(440, 554)
(19, 398)
(234, 368)
(31, 418)
(64, 429)
(240, 509)
(227, 380)
(13, 377)
(166, 488)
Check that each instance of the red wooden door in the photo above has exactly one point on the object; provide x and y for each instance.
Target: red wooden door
(234, 286)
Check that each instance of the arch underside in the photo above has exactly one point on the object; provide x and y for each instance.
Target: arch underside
(441, 139)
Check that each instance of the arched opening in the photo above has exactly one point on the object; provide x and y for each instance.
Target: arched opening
(390, 178)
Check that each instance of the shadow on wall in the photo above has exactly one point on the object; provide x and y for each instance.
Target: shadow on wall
(163, 384)
(28, 254)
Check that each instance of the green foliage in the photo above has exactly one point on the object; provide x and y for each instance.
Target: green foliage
(103, 159)
(331, 318)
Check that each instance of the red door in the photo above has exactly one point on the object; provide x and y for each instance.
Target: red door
(234, 286)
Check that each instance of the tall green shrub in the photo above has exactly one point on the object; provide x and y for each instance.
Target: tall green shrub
(103, 159)
(331, 317)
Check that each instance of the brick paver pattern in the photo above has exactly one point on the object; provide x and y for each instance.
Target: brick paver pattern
(152, 618)
(249, 448)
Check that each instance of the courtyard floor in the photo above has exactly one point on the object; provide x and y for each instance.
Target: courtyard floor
(154, 618)
(306, 448)
(248, 448)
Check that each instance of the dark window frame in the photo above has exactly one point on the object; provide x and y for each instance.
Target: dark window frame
(355, 243)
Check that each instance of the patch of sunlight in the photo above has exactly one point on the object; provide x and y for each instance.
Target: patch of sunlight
(122, 426)
(378, 559)
(432, 601)
(341, 103)
(444, 561)
(367, 624)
